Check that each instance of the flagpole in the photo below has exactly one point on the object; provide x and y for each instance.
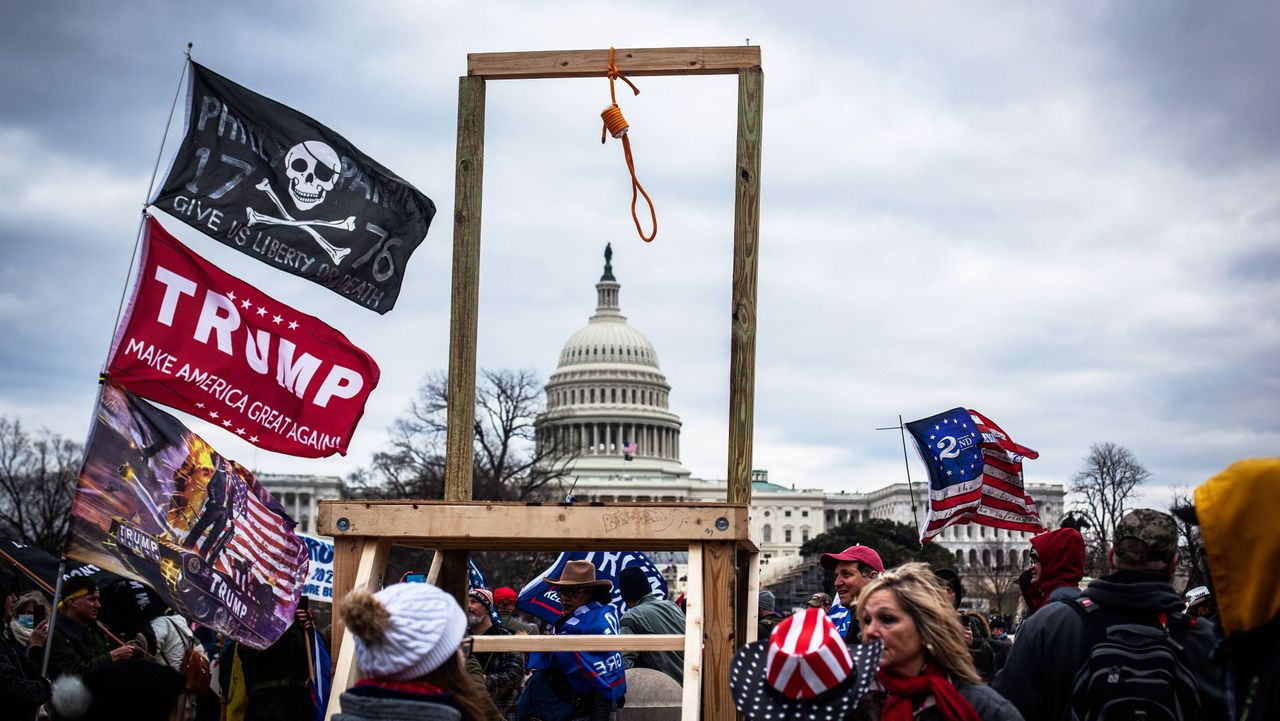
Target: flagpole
(155, 170)
(27, 571)
(905, 462)
(53, 618)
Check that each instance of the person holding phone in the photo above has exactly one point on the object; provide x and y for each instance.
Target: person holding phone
(22, 688)
(30, 611)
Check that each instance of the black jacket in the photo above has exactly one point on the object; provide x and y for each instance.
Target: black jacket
(1054, 643)
(22, 688)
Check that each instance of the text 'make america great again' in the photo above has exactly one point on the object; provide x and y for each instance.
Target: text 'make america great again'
(204, 342)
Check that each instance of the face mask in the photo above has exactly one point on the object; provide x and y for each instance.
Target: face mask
(27, 621)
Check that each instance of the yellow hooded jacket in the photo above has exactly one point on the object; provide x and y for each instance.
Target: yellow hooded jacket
(1237, 510)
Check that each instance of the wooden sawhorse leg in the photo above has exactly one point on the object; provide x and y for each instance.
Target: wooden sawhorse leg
(359, 562)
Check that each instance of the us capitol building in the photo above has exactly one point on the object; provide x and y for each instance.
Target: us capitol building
(610, 402)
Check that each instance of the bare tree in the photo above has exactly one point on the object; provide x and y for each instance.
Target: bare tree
(998, 581)
(507, 465)
(1190, 543)
(38, 476)
(1103, 488)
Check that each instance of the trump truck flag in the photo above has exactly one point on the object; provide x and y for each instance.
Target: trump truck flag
(975, 473)
(278, 186)
(202, 341)
(157, 504)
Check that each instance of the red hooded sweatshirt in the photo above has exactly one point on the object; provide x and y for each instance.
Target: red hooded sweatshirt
(1061, 562)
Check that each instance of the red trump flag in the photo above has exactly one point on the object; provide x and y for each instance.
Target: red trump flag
(199, 340)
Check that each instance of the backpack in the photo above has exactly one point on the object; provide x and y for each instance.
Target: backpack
(1134, 670)
(194, 664)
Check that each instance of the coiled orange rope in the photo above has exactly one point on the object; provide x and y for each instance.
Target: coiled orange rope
(616, 125)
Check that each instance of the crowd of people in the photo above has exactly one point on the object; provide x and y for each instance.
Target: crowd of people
(143, 662)
(414, 647)
(896, 644)
(1126, 646)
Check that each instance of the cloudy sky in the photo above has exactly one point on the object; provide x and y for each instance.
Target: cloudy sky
(1063, 215)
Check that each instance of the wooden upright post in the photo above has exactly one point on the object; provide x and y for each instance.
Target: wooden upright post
(720, 550)
(746, 243)
(742, 354)
(464, 317)
(718, 645)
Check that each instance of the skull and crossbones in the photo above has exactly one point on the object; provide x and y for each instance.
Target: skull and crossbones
(312, 168)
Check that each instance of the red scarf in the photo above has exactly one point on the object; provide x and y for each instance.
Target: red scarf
(419, 687)
(904, 692)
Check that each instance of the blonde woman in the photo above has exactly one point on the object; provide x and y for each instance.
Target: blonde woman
(926, 673)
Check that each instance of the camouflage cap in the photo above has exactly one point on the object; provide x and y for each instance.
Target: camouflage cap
(1145, 535)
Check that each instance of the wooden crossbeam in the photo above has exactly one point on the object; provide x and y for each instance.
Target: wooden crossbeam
(623, 642)
(461, 526)
(633, 62)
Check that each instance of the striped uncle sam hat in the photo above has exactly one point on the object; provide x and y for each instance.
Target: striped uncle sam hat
(803, 672)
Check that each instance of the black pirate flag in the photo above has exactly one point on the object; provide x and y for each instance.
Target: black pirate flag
(279, 186)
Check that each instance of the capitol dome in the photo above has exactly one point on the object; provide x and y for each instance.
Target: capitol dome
(607, 399)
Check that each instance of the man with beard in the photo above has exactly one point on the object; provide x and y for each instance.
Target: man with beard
(503, 670)
(504, 598)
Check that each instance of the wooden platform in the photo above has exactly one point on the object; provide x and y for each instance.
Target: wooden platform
(723, 570)
(716, 536)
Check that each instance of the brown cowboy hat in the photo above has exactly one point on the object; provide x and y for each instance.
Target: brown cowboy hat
(579, 574)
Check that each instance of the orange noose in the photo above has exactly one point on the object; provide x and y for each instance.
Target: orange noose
(616, 125)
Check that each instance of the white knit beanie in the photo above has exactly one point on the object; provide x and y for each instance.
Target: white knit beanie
(425, 628)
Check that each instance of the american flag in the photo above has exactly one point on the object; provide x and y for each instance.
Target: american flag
(975, 473)
(629, 450)
(263, 548)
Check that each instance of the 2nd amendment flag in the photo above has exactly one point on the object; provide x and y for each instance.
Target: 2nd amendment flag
(276, 185)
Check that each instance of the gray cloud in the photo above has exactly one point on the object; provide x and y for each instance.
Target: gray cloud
(1064, 218)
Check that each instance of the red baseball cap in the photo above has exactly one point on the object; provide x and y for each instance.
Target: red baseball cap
(504, 595)
(861, 554)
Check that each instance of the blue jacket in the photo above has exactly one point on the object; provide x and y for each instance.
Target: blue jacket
(600, 672)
